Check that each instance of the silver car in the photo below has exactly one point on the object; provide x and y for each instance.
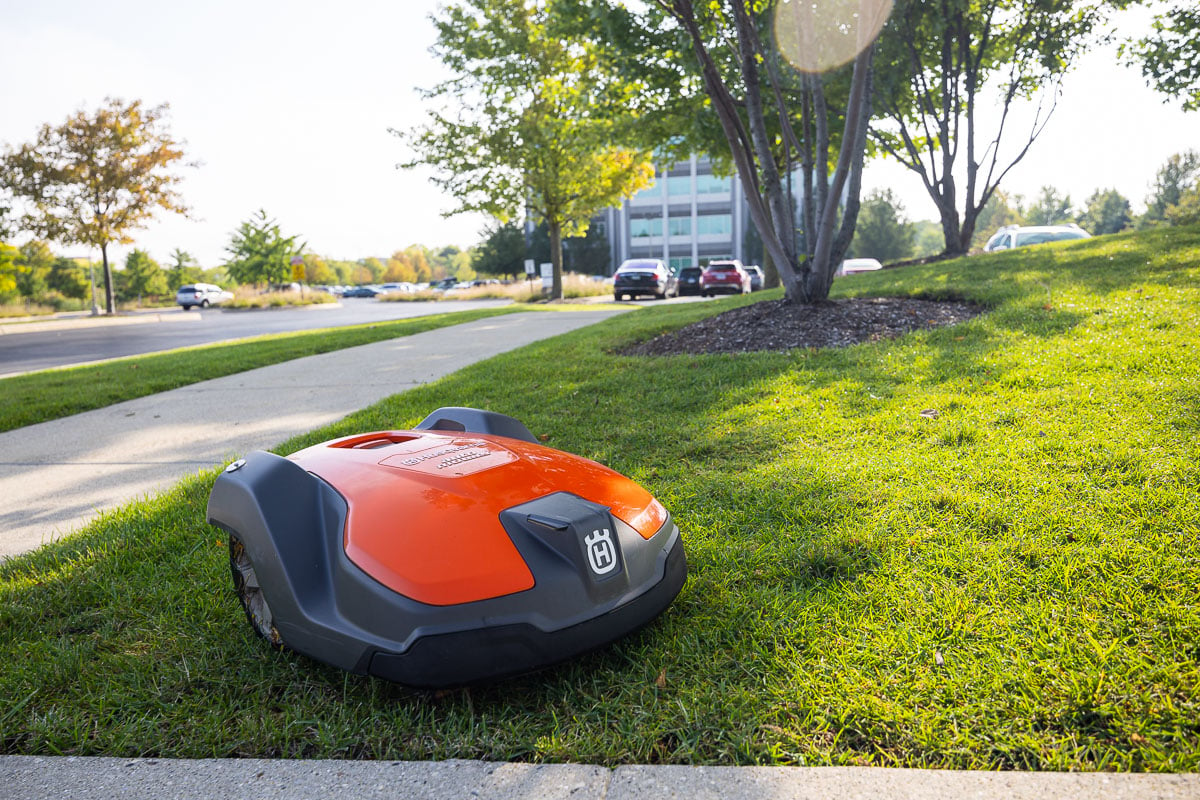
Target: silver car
(201, 294)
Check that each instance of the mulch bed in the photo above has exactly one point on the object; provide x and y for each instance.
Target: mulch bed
(779, 325)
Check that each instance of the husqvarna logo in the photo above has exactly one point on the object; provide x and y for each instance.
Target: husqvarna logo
(602, 555)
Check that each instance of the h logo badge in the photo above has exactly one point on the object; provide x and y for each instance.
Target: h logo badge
(602, 555)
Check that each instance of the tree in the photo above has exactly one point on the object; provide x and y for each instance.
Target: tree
(927, 238)
(1174, 178)
(97, 177)
(8, 272)
(1170, 56)
(184, 269)
(544, 125)
(68, 279)
(1107, 211)
(143, 276)
(1187, 210)
(502, 251)
(724, 65)
(882, 232)
(317, 270)
(260, 253)
(1050, 208)
(935, 61)
(33, 265)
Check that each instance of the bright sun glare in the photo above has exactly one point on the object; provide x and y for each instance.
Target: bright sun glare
(819, 35)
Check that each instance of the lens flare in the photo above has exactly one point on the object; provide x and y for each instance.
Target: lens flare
(819, 35)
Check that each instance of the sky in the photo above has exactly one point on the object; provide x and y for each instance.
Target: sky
(287, 108)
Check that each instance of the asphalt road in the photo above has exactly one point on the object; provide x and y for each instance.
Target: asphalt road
(43, 349)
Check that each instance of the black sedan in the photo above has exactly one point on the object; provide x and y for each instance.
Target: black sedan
(644, 276)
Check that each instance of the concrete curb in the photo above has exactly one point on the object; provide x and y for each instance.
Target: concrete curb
(29, 777)
(97, 322)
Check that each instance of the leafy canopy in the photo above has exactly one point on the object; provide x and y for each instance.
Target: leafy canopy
(97, 177)
(535, 117)
(260, 253)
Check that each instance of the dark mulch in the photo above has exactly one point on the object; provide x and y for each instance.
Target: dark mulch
(779, 325)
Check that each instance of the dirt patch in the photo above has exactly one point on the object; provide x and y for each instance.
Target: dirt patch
(779, 325)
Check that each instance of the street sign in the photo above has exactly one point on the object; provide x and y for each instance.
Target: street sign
(548, 275)
(530, 267)
(297, 268)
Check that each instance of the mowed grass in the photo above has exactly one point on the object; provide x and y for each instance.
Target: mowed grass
(1010, 579)
(51, 394)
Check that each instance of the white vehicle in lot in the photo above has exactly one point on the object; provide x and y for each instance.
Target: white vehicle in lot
(853, 266)
(1020, 236)
(201, 294)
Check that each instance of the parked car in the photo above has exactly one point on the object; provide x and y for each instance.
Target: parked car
(853, 266)
(689, 280)
(443, 284)
(643, 276)
(756, 277)
(398, 287)
(362, 291)
(1019, 236)
(201, 294)
(729, 277)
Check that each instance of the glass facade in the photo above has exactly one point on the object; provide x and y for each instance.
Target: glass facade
(714, 225)
(679, 226)
(643, 227)
(679, 185)
(711, 184)
(677, 264)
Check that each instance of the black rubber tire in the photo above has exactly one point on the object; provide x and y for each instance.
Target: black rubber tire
(187, 308)
(204, 304)
(249, 594)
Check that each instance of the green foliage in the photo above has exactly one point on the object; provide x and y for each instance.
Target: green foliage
(259, 253)
(1107, 211)
(1187, 210)
(68, 278)
(33, 265)
(927, 239)
(1180, 173)
(940, 62)
(546, 124)
(502, 251)
(142, 277)
(183, 269)
(882, 232)
(1049, 208)
(97, 177)
(8, 272)
(1170, 56)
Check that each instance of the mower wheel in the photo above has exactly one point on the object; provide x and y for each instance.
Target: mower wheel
(245, 584)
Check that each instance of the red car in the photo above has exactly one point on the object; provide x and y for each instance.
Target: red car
(724, 276)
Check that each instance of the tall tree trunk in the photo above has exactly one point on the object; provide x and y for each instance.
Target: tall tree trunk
(109, 306)
(556, 253)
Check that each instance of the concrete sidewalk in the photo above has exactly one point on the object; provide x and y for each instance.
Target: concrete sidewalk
(27, 778)
(55, 476)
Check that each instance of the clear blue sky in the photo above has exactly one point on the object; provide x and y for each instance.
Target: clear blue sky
(288, 105)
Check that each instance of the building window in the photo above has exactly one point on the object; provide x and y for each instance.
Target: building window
(645, 226)
(711, 184)
(679, 226)
(679, 185)
(679, 263)
(653, 190)
(714, 225)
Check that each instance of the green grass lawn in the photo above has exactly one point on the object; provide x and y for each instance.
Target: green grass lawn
(1012, 584)
(51, 394)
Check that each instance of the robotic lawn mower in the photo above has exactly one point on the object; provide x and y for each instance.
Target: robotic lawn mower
(457, 552)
